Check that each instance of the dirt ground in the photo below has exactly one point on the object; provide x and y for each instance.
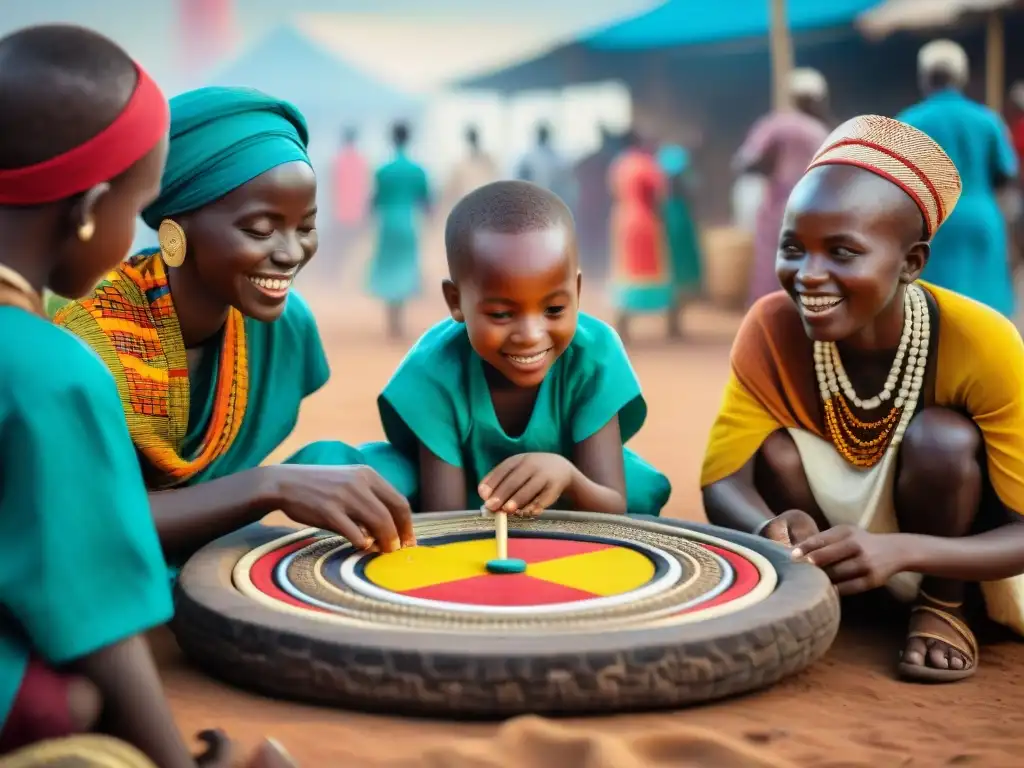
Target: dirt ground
(847, 710)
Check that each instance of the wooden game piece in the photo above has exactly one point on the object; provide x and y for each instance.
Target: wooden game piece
(501, 534)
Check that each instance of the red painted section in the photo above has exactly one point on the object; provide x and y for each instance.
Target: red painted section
(501, 589)
(538, 550)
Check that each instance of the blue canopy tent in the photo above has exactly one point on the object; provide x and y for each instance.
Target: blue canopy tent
(692, 22)
(673, 25)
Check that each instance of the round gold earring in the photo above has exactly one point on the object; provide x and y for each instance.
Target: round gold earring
(86, 230)
(172, 243)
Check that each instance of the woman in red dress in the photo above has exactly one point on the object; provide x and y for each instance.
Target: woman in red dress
(641, 277)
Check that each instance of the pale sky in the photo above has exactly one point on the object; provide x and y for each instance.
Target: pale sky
(385, 37)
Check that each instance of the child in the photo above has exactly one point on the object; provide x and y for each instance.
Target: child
(83, 139)
(519, 401)
(872, 421)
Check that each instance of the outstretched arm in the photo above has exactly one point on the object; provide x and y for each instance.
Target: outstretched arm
(442, 486)
(733, 502)
(989, 556)
(598, 482)
(135, 708)
(188, 518)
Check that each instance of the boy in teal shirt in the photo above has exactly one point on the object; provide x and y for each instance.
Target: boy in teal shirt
(519, 401)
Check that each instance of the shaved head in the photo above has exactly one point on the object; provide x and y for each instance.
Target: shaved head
(60, 85)
(502, 208)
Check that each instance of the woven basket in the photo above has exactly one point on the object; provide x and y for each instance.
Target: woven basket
(728, 256)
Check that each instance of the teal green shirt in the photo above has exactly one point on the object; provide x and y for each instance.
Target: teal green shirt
(81, 567)
(286, 365)
(440, 398)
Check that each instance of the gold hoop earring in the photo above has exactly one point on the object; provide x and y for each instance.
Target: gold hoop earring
(172, 243)
(86, 230)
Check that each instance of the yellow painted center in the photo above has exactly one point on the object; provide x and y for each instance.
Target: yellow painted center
(609, 571)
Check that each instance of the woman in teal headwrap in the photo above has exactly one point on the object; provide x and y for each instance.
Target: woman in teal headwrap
(213, 352)
(680, 230)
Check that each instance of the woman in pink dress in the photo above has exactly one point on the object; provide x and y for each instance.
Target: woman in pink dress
(351, 177)
(780, 146)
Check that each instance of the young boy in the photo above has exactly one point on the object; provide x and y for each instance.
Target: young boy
(519, 401)
(83, 140)
(874, 422)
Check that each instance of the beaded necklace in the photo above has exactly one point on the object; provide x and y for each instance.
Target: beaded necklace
(864, 443)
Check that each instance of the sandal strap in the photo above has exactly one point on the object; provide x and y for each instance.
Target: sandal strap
(961, 649)
(936, 601)
(972, 651)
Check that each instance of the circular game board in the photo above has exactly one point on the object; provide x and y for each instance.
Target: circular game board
(612, 613)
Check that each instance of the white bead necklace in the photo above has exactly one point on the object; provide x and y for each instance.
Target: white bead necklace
(913, 347)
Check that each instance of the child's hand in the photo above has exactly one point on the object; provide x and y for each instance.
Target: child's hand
(526, 484)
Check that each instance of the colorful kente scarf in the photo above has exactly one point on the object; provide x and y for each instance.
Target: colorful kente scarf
(131, 324)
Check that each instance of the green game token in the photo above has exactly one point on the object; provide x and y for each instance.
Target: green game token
(508, 565)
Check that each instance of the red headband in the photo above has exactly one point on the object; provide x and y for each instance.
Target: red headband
(140, 126)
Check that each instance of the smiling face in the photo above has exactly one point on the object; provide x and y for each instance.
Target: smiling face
(519, 298)
(850, 243)
(246, 248)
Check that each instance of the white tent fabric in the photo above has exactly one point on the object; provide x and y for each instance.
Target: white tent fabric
(426, 51)
(895, 15)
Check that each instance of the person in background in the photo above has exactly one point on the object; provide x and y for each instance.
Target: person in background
(594, 203)
(545, 167)
(681, 233)
(970, 254)
(351, 177)
(1017, 134)
(779, 147)
(400, 195)
(475, 169)
(1017, 123)
(641, 275)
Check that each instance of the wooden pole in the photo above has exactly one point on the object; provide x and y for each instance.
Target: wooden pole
(781, 53)
(995, 62)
